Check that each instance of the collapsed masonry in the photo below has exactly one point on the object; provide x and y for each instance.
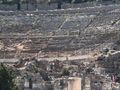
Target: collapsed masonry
(109, 59)
(63, 43)
(55, 75)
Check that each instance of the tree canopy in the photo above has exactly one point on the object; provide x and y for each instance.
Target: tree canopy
(7, 78)
(44, 1)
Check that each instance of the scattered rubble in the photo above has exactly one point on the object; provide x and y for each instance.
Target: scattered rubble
(63, 49)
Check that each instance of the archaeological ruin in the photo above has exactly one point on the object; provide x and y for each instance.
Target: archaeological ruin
(63, 49)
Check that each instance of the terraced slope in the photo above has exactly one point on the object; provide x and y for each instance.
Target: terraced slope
(37, 33)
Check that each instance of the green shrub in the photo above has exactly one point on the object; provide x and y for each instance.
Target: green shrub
(7, 78)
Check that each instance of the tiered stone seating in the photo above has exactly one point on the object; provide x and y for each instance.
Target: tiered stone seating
(90, 31)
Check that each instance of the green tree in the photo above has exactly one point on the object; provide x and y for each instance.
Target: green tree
(18, 4)
(7, 78)
(4, 1)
